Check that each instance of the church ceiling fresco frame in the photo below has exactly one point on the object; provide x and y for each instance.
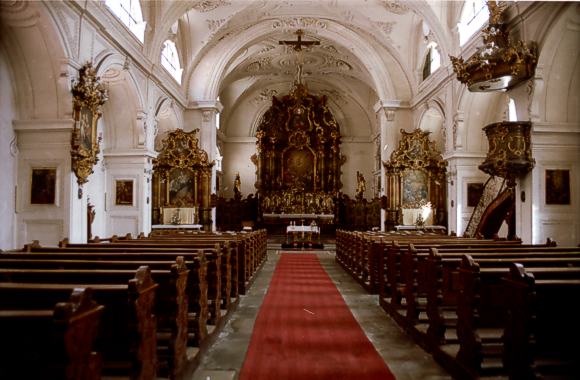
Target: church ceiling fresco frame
(89, 95)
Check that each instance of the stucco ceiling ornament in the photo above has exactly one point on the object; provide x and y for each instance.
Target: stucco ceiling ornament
(214, 25)
(385, 27)
(396, 7)
(209, 5)
(260, 65)
(264, 95)
(299, 22)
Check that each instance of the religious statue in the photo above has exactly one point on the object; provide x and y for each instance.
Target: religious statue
(237, 187)
(360, 185)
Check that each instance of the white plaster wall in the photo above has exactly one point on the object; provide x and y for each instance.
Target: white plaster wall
(45, 144)
(136, 217)
(360, 157)
(237, 159)
(8, 156)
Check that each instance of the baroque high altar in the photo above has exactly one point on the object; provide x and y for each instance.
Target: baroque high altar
(298, 160)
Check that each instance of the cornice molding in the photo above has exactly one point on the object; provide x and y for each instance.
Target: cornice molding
(43, 125)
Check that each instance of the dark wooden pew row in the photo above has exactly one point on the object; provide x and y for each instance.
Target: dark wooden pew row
(541, 333)
(170, 303)
(93, 258)
(56, 343)
(364, 254)
(213, 257)
(228, 260)
(404, 288)
(483, 303)
(252, 246)
(127, 337)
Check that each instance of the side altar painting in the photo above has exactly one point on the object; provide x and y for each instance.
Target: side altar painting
(298, 160)
(182, 180)
(415, 182)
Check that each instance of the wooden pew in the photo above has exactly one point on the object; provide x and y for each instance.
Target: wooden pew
(483, 302)
(196, 288)
(170, 305)
(127, 337)
(542, 332)
(228, 260)
(160, 252)
(53, 343)
(252, 248)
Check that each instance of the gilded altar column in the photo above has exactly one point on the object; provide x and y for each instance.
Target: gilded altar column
(389, 126)
(203, 115)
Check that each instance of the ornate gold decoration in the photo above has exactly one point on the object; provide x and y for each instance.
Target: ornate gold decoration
(298, 156)
(182, 176)
(88, 97)
(510, 150)
(501, 63)
(415, 176)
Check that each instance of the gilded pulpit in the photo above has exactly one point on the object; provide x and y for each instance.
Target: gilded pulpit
(298, 161)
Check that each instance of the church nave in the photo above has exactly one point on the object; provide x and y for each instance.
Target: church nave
(407, 361)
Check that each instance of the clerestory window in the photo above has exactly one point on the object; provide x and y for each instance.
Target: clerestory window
(129, 12)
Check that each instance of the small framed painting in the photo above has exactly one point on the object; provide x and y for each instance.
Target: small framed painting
(124, 192)
(474, 192)
(43, 186)
(557, 187)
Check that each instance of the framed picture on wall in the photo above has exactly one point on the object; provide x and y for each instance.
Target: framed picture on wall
(557, 187)
(43, 186)
(474, 192)
(124, 192)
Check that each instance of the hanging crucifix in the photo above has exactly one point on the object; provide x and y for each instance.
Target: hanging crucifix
(299, 43)
(297, 46)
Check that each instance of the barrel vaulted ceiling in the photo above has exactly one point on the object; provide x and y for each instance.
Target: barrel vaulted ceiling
(370, 51)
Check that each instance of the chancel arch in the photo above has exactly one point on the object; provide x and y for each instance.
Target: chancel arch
(223, 55)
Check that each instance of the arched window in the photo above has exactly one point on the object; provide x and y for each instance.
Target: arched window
(512, 113)
(129, 12)
(217, 117)
(170, 60)
(474, 15)
(432, 60)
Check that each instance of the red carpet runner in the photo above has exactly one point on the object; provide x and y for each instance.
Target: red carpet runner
(304, 330)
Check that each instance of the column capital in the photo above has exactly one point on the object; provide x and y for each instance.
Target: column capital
(206, 105)
(390, 105)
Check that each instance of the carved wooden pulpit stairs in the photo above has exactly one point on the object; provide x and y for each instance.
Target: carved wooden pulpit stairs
(182, 178)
